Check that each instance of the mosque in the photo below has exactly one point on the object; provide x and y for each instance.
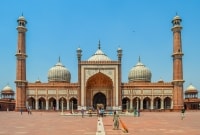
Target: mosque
(99, 82)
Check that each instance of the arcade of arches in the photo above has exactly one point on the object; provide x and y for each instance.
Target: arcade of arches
(52, 103)
(147, 103)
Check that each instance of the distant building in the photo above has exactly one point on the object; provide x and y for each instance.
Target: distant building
(7, 101)
(100, 82)
(191, 101)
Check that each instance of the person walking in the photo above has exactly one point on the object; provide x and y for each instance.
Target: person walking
(116, 120)
(29, 109)
(82, 112)
(183, 113)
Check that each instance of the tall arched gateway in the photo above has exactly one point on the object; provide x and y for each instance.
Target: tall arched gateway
(99, 90)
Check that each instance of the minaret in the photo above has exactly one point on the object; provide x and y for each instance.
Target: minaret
(79, 54)
(21, 65)
(177, 64)
(119, 54)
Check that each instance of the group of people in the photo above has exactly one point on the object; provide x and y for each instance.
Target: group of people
(101, 112)
(28, 108)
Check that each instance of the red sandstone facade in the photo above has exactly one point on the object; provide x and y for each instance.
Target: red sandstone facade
(100, 82)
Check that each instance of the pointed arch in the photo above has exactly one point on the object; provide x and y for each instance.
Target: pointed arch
(31, 102)
(146, 103)
(42, 103)
(157, 103)
(125, 103)
(99, 80)
(63, 101)
(167, 103)
(73, 103)
(136, 103)
(99, 83)
(52, 103)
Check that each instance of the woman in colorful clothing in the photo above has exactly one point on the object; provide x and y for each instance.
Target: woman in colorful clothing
(116, 120)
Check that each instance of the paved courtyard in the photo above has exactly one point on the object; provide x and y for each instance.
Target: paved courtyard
(52, 123)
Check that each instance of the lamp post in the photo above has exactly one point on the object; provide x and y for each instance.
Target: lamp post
(137, 106)
(62, 106)
(127, 106)
(72, 108)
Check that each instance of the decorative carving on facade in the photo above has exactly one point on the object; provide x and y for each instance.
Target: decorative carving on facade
(51, 91)
(126, 92)
(157, 91)
(146, 92)
(41, 92)
(62, 92)
(167, 91)
(73, 92)
(95, 92)
(31, 92)
(91, 72)
(137, 92)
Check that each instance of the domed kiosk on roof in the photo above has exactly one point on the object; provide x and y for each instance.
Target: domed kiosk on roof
(59, 73)
(7, 89)
(191, 90)
(139, 73)
(7, 101)
(191, 98)
(7, 92)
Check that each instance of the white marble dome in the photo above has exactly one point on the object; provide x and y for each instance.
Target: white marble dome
(7, 90)
(99, 55)
(139, 73)
(191, 89)
(59, 73)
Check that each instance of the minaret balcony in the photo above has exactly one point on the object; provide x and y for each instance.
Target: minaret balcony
(21, 83)
(21, 29)
(21, 56)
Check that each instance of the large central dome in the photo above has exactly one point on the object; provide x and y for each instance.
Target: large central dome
(139, 73)
(59, 73)
(99, 55)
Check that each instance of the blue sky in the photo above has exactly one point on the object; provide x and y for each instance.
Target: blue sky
(140, 27)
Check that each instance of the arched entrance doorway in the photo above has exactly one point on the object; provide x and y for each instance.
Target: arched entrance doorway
(157, 103)
(42, 103)
(52, 103)
(136, 103)
(167, 103)
(99, 90)
(146, 103)
(62, 101)
(31, 102)
(125, 104)
(73, 104)
(99, 101)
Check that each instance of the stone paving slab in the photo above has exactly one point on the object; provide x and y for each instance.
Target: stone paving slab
(52, 123)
